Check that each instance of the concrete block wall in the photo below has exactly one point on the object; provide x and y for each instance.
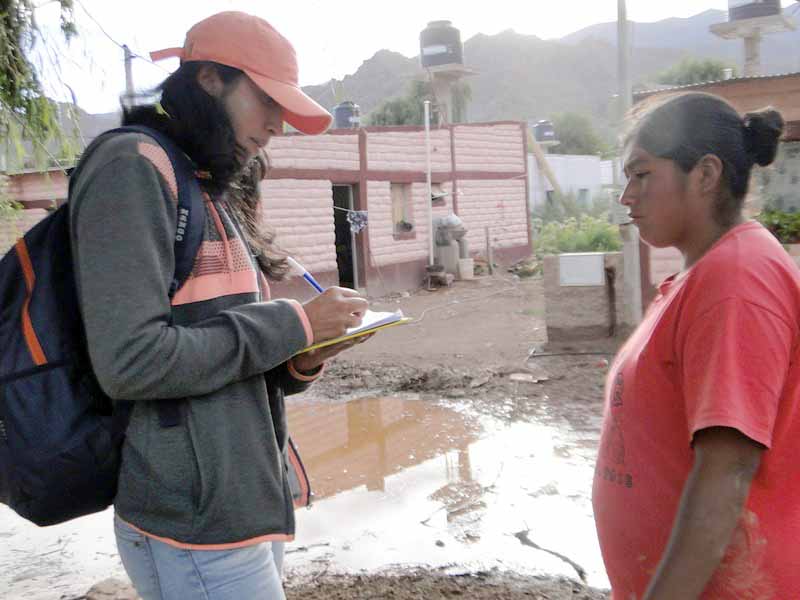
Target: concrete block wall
(14, 227)
(301, 212)
(575, 313)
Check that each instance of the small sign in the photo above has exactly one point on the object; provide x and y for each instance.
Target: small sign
(581, 269)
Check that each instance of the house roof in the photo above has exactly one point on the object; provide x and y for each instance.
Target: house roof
(718, 82)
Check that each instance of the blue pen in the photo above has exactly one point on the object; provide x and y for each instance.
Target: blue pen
(300, 270)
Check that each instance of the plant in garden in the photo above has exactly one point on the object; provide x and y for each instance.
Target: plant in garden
(583, 234)
(783, 225)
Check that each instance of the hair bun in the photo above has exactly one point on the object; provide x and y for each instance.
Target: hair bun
(763, 131)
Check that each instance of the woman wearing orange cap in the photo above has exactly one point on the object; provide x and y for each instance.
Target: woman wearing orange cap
(205, 498)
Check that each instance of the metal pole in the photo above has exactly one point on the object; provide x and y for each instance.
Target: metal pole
(428, 202)
(128, 74)
(623, 57)
(630, 235)
(353, 242)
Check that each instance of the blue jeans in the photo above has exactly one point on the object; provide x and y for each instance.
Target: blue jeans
(162, 572)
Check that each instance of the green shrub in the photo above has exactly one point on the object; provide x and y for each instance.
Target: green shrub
(783, 225)
(582, 234)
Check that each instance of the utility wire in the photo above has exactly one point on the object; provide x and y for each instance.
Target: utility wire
(121, 46)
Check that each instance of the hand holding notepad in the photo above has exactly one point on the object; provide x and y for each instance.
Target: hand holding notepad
(372, 322)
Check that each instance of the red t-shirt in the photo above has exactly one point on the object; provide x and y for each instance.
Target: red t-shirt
(717, 347)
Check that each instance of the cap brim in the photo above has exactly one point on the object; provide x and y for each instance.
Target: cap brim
(299, 110)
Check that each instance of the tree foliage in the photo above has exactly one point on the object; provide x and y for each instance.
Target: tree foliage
(406, 110)
(690, 71)
(25, 112)
(576, 135)
(409, 109)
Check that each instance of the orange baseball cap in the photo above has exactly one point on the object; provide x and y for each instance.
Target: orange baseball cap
(252, 45)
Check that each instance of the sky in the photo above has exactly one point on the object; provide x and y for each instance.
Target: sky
(331, 38)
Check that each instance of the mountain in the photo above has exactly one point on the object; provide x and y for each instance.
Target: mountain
(524, 77)
(780, 53)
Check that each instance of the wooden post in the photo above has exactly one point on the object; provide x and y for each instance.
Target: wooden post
(489, 252)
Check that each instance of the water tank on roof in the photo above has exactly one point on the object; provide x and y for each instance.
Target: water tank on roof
(543, 131)
(440, 44)
(346, 115)
(750, 9)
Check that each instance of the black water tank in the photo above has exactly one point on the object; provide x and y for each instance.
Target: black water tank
(440, 44)
(750, 9)
(346, 115)
(543, 132)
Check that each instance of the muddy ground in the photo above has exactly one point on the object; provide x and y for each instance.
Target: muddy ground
(484, 342)
(424, 584)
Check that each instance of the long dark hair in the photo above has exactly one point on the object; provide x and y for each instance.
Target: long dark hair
(246, 202)
(199, 124)
(196, 121)
(685, 127)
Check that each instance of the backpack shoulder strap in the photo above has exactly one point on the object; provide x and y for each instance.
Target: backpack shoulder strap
(188, 234)
(191, 210)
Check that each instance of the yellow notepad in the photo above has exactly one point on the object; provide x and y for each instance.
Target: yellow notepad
(372, 321)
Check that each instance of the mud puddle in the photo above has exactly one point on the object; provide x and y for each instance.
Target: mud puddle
(400, 483)
(410, 483)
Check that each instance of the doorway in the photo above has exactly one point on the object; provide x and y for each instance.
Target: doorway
(346, 246)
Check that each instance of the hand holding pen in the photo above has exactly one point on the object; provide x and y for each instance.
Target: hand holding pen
(334, 310)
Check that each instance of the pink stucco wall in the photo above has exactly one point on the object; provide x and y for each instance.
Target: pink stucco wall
(499, 204)
(26, 187)
(301, 212)
(490, 147)
(405, 150)
(315, 152)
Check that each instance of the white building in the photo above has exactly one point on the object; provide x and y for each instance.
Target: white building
(578, 175)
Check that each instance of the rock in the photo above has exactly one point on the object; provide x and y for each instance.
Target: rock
(440, 543)
(112, 589)
(479, 381)
(527, 378)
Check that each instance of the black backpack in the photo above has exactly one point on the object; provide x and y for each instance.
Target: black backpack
(60, 435)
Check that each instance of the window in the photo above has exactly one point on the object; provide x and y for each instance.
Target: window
(584, 199)
(402, 211)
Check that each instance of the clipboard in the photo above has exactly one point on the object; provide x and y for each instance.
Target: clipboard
(373, 321)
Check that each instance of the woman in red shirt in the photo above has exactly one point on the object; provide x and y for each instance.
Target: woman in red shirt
(694, 493)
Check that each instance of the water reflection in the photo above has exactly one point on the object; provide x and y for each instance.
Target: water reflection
(362, 442)
(407, 482)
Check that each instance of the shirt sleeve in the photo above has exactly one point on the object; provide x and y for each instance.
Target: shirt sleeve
(735, 361)
(123, 222)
